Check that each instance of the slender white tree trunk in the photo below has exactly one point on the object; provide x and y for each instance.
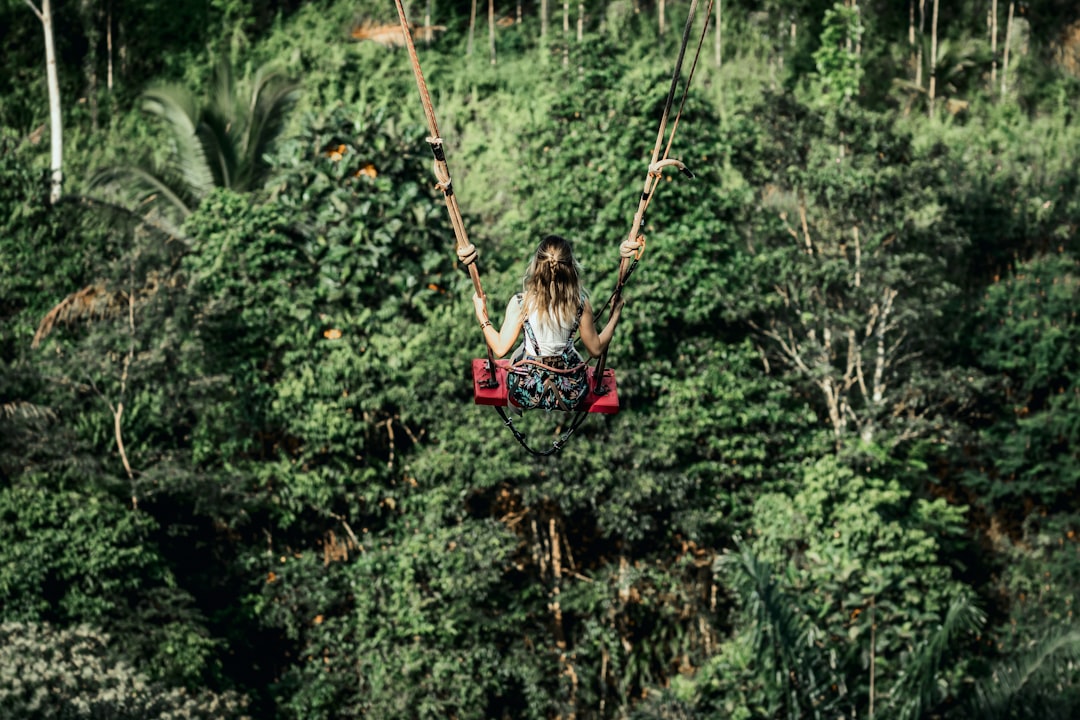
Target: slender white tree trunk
(858, 40)
(472, 29)
(911, 29)
(543, 17)
(919, 56)
(566, 32)
(491, 30)
(109, 47)
(1008, 42)
(993, 43)
(56, 125)
(719, 43)
(933, 57)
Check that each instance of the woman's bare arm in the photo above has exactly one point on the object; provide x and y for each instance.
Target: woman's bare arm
(595, 343)
(502, 340)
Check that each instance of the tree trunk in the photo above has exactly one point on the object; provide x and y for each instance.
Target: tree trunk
(543, 17)
(472, 30)
(566, 32)
(858, 40)
(911, 31)
(56, 125)
(580, 21)
(661, 11)
(109, 49)
(933, 57)
(993, 44)
(719, 43)
(491, 30)
(919, 56)
(91, 15)
(427, 23)
(1008, 42)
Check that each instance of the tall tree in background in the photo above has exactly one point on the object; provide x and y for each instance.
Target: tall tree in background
(1008, 43)
(850, 250)
(992, 27)
(56, 125)
(933, 57)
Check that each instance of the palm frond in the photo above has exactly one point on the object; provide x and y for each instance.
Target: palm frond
(782, 632)
(178, 108)
(90, 302)
(273, 95)
(217, 133)
(143, 186)
(915, 688)
(219, 143)
(1031, 683)
(21, 410)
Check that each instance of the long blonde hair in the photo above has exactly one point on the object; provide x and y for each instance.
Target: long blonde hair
(552, 284)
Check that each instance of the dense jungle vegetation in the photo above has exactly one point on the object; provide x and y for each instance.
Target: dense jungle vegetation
(241, 472)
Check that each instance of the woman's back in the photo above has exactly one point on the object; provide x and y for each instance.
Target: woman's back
(551, 333)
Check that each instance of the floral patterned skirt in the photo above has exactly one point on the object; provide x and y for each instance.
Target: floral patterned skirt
(531, 387)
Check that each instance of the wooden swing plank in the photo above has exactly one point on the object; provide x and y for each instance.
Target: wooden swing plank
(607, 404)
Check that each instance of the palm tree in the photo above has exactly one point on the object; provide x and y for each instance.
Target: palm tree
(953, 74)
(1036, 681)
(795, 670)
(219, 142)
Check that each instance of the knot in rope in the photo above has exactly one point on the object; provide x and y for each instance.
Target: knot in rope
(467, 254)
(656, 169)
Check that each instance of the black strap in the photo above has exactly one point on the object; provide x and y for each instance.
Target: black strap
(556, 445)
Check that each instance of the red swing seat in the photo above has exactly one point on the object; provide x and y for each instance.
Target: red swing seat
(606, 403)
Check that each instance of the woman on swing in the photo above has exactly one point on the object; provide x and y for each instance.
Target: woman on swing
(547, 371)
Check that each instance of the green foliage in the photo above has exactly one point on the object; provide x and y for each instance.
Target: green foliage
(245, 446)
(800, 681)
(70, 557)
(920, 685)
(846, 264)
(1040, 681)
(1038, 578)
(217, 143)
(37, 263)
(838, 67)
(1027, 335)
(56, 674)
(863, 555)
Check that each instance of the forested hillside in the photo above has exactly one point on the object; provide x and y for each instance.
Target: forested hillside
(241, 470)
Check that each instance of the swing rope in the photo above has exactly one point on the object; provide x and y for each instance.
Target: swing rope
(442, 171)
(658, 164)
(626, 266)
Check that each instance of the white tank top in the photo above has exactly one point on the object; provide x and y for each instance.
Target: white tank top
(551, 337)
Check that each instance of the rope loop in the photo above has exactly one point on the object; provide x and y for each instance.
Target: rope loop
(442, 178)
(656, 169)
(467, 255)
